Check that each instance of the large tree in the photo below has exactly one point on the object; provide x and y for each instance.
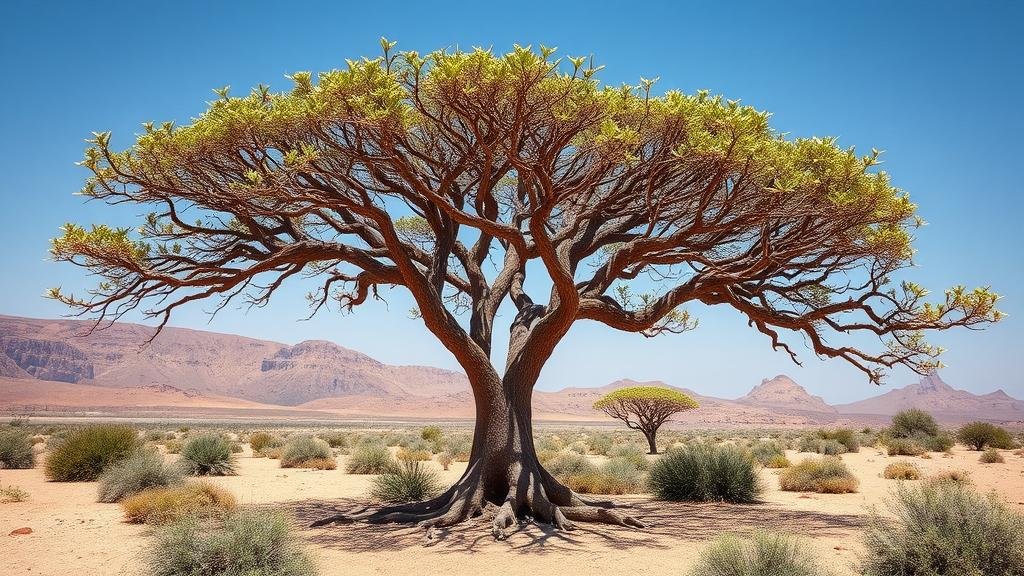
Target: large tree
(454, 175)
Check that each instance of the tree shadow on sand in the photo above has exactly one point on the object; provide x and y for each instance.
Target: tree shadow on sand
(671, 523)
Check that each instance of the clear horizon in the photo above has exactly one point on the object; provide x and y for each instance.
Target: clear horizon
(933, 88)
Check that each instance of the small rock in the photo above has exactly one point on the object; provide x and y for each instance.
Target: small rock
(838, 548)
(21, 531)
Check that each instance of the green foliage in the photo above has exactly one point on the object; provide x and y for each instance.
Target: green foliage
(705, 472)
(335, 439)
(86, 452)
(635, 454)
(371, 459)
(762, 554)
(646, 394)
(261, 442)
(208, 455)
(16, 449)
(764, 452)
(409, 482)
(143, 469)
(907, 423)
(248, 543)
(944, 529)
(301, 449)
(827, 474)
(978, 435)
(904, 447)
(570, 464)
(432, 433)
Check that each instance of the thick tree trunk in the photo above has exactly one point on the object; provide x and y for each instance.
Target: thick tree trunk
(650, 441)
(503, 475)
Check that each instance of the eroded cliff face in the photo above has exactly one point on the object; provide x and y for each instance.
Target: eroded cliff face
(44, 359)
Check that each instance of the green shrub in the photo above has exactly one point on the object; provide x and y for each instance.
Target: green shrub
(335, 439)
(142, 470)
(907, 423)
(991, 456)
(208, 455)
(371, 459)
(16, 450)
(409, 482)
(827, 474)
(944, 529)
(705, 472)
(978, 435)
(764, 452)
(262, 441)
(248, 543)
(903, 447)
(301, 449)
(763, 554)
(570, 464)
(902, 471)
(941, 442)
(431, 433)
(779, 461)
(632, 452)
(86, 452)
(600, 444)
(460, 446)
(167, 504)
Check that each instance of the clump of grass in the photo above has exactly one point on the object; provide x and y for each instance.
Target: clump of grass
(944, 529)
(902, 470)
(962, 477)
(409, 482)
(827, 475)
(370, 459)
(163, 505)
(16, 450)
(762, 554)
(778, 461)
(173, 446)
(86, 452)
(335, 439)
(705, 472)
(307, 452)
(208, 455)
(765, 451)
(991, 456)
(567, 464)
(633, 453)
(616, 476)
(414, 454)
(142, 470)
(261, 441)
(9, 494)
(431, 433)
(247, 543)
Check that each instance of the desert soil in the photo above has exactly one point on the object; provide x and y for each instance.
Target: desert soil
(71, 533)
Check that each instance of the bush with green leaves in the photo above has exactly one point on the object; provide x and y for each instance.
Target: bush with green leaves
(409, 482)
(705, 472)
(632, 452)
(979, 435)
(827, 474)
(761, 554)
(299, 450)
(907, 423)
(567, 464)
(371, 459)
(247, 543)
(143, 469)
(16, 449)
(431, 433)
(335, 439)
(86, 452)
(208, 455)
(904, 447)
(944, 529)
(600, 443)
(262, 441)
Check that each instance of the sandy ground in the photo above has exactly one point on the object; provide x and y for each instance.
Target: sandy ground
(74, 534)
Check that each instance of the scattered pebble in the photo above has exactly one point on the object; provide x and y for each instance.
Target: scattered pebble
(21, 531)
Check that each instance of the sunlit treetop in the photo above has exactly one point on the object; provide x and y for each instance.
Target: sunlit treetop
(446, 172)
(655, 394)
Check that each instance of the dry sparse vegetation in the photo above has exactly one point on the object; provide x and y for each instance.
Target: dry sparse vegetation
(827, 475)
(163, 505)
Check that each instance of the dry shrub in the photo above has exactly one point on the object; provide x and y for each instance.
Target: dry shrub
(164, 505)
(10, 494)
(902, 470)
(318, 464)
(414, 455)
(827, 475)
(778, 461)
(991, 456)
(762, 554)
(307, 452)
(962, 477)
(142, 470)
(445, 459)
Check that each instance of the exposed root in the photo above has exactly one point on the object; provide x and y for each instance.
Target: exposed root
(602, 515)
(504, 519)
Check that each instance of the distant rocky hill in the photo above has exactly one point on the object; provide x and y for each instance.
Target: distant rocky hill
(193, 368)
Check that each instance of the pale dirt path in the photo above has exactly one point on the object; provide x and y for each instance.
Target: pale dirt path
(75, 535)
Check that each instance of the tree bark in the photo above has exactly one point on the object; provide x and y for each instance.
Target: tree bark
(503, 475)
(650, 440)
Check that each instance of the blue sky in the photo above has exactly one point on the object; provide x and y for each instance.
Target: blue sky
(936, 84)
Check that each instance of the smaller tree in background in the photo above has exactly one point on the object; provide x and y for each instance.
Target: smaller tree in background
(645, 408)
(978, 435)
